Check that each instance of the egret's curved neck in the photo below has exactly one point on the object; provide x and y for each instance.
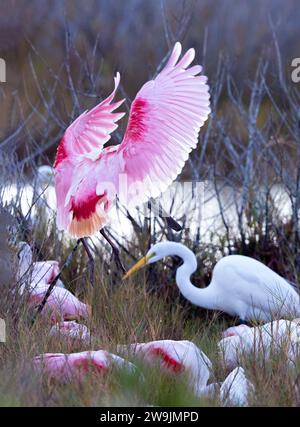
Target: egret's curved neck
(203, 297)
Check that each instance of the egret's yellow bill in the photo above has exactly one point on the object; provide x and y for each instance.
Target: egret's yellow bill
(141, 263)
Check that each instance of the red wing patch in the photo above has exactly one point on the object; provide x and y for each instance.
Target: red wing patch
(137, 124)
(169, 361)
(61, 153)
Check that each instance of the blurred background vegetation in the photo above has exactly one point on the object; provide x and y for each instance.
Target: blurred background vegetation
(48, 43)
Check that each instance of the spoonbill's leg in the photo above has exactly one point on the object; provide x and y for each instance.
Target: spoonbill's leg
(91, 260)
(115, 250)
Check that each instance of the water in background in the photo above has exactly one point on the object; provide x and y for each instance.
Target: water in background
(199, 207)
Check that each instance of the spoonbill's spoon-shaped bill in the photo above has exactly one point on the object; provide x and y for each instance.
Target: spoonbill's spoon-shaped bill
(175, 357)
(240, 286)
(66, 368)
(164, 123)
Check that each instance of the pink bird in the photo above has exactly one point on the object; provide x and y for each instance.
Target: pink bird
(175, 357)
(61, 304)
(262, 340)
(35, 272)
(235, 330)
(163, 127)
(71, 331)
(65, 368)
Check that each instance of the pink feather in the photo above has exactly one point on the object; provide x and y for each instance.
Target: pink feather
(163, 127)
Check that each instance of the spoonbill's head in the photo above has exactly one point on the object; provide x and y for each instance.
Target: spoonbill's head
(157, 252)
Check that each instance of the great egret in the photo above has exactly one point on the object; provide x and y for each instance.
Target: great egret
(240, 286)
(163, 127)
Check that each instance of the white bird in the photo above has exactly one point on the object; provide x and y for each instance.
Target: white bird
(240, 286)
(42, 189)
(45, 176)
(236, 388)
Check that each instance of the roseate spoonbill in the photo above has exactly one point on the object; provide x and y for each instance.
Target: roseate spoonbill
(163, 127)
(35, 272)
(175, 357)
(65, 368)
(262, 340)
(240, 286)
(236, 388)
(234, 330)
(60, 305)
(240, 329)
(71, 330)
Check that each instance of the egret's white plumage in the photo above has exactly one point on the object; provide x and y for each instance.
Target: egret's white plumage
(240, 286)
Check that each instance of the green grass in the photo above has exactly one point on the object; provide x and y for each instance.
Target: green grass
(123, 314)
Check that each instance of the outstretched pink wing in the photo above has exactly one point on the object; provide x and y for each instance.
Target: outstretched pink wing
(163, 127)
(92, 129)
(83, 142)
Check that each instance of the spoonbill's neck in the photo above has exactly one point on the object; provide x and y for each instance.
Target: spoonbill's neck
(203, 297)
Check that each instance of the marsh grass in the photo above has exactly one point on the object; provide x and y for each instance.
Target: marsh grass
(125, 313)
